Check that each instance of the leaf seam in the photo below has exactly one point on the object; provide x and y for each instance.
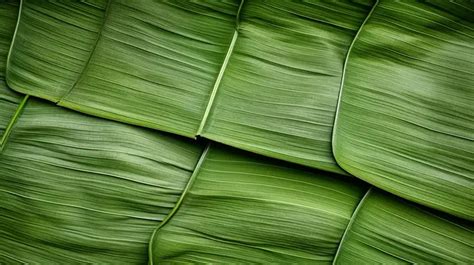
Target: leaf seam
(210, 103)
(11, 124)
(99, 35)
(349, 225)
(13, 40)
(179, 202)
(343, 77)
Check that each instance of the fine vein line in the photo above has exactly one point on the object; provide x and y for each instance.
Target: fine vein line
(7, 66)
(8, 130)
(221, 73)
(99, 35)
(179, 202)
(343, 77)
(349, 225)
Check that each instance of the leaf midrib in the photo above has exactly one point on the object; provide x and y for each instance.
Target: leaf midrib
(91, 55)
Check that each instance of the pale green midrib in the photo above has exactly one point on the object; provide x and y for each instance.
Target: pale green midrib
(349, 225)
(86, 66)
(16, 115)
(343, 77)
(179, 202)
(13, 42)
(217, 83)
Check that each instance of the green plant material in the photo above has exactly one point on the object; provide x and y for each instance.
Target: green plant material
(279, 91)
(147, 63)
(244, 208)
(76, 188)
(406, 117)
(171, 66)
(9, 103)
(52, 45)
(390, 230)
(248, 209)
(9, 100)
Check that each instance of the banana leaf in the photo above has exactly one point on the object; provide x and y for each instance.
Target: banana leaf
(150, 63)
(79, 189)
(8, 100)
(390, 230)
(93, 190)
(240, 208)
(405, 121)
(279, 91)
(258, 75)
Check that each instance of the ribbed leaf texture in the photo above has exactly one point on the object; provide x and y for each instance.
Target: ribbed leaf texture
(279, 91)
(75, 188)
(389, 230)
(247, 209)
(263, 76)
(160, 65)
(406, 118)
(8, 99)
(141, 62)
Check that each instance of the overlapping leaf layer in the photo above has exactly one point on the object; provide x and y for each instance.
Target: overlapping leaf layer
(247, 209)
(160, 65)
(406, 118)
(263, 76)
(75, 188)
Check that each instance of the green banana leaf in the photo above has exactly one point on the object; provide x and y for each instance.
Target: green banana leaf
(77, 189)
(108, 57)
(259, 75)
(390, 230)
(92, 190)
(244, 209)
(8, 99)
(406, 117)
(279, 91)
(264, 76)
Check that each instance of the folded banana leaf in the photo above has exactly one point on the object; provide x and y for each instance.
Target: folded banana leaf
(406, 116)
(261, 75)
(75, 188)
(80, 189)
(246, 209)
(8, 98)
(264, 76)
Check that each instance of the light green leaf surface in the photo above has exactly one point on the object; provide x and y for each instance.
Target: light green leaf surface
(147, 63)
(79, 189)
(279, 91)
(52, 45)
(244, 208)
(390, 230)
(406, 117)
(172, 66)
